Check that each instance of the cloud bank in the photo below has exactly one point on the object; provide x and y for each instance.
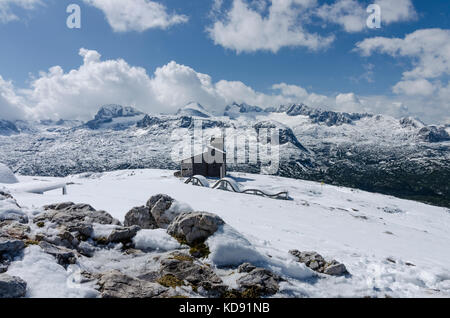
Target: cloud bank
(78, 93)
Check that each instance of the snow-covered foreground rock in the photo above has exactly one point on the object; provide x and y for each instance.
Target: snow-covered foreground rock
(244, 245)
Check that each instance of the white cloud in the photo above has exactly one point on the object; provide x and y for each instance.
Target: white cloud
(352, 14)
(11, 105)
(429, 50)
(424, 86)
(78, 93)
(136, 15)
(265, 25)
(7, 12)
(414, 87)
(269, 25)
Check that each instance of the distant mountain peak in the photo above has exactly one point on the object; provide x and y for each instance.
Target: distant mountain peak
(108, 113)
(194, 109)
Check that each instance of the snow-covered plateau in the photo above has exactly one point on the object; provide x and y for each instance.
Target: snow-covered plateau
(382, 246)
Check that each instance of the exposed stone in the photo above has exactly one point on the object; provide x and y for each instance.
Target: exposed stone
(159, 205)
(260, 280)
(201, 277)
(114, 284)
(63, 256)
(141, 217)
(86, 249)
(123, 234)
(246, 268)
(15, 229)
(10, 245)
(76, 218)
(194, 227)
(12, 287)
(335, 269)
(317, 263)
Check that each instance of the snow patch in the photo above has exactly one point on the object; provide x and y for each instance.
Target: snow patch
(46, 279)
(155, 240)
(229, 248)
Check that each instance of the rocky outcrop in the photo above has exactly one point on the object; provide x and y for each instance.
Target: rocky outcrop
(318, 264)
(433, 134)
(194, 227)
(75, 218)
(12, 287)
(141, 217)
(114, 284)
(258, 281)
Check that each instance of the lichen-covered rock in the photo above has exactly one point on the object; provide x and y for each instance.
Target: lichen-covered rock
(194, 227)
(318, 264)
(260, 280)
(12, 287)
(184, 268)
(141, 217)
(114, 284)
(15, 229)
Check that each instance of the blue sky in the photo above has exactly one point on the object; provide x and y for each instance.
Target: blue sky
(38, 38)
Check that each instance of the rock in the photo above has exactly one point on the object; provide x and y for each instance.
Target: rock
(10, 245)
(63, 256)
(123, 235)
(194, 227)
(75, 218)
(141, 217)
(15, 229)
(246, 268)
(86, 249)
(159, 205)
(114, 284)
(260, 280)
(12, 287)
(184, 268)
(318, 264)
(335, 269)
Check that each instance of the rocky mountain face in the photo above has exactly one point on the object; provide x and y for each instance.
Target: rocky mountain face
(404, 158)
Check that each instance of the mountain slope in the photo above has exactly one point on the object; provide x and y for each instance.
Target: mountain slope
(376, 153)
(391, 247)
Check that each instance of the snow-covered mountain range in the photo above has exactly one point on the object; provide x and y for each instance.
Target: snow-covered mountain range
(405, 157)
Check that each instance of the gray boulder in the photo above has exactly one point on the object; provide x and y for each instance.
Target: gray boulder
(12, 287)
(141, 217)
(123, 234)
(159, 205)
(317, 263)
(10, 245)
(184, 268)
(15, 229)
(262, 281)
(75, 218)
(63, 256)
(194, 227)
(114, 284)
